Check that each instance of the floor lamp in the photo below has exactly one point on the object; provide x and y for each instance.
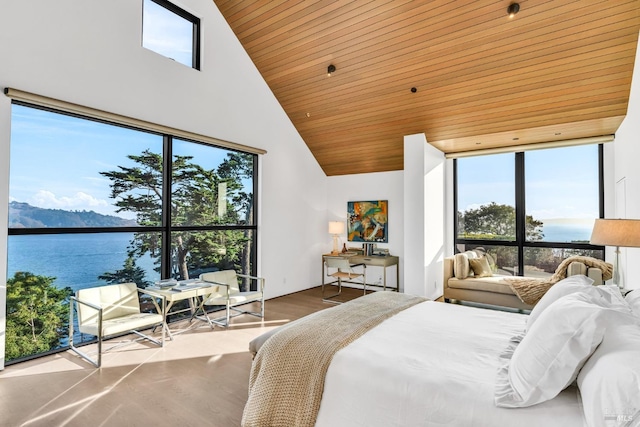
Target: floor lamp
(336, 228)
(618, 233)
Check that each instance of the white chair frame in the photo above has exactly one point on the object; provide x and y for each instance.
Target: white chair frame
(100, 337)
(224, 321)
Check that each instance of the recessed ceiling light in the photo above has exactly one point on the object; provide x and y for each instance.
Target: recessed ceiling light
(330, 70)
(558, 133)
(516, 139)
(308, 114)
(513, 9)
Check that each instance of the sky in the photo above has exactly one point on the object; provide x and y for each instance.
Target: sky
(56, 159)
(166, 33)
(560, 182)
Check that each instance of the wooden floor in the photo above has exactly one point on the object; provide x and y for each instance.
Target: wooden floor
(198, 379)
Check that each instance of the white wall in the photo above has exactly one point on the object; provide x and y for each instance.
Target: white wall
(627, 155)
(371, 186)
(5, 131)
(424, 216)
(89, 53)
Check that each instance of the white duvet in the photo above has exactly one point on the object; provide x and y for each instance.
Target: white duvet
(433, 364)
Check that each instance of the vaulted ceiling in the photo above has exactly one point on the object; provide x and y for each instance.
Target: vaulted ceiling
(557, 70)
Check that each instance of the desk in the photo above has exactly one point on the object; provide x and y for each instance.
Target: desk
(199, 289)
(373, 260)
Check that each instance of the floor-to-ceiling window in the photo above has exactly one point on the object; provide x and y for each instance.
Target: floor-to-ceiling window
(93, 203)
(529, 210)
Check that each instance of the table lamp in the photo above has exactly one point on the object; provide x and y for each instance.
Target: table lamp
(336, 228)
(616, 232)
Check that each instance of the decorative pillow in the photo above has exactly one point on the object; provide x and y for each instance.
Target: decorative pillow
(609, 382)
(461, 268)
(480, 267)
(552, 352)
(568, 286)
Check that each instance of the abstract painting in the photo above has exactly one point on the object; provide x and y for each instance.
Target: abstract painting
(367, 221)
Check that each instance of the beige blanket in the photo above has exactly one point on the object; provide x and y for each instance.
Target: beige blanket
(531, 290)
(287, 375)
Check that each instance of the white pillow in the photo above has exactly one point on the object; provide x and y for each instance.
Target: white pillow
(609, 382)
(552, 352)
(609, 294)
(633, 299)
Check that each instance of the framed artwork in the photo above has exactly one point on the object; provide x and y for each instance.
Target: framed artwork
(367, 221)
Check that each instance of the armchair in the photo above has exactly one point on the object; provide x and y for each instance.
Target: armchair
(228, 294)
(110, 310)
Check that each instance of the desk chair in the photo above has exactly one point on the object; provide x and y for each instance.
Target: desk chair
(112, 310)
(343, 272)
(228, 294)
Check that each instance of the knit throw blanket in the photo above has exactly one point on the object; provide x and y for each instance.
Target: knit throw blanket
(287, 375)
(531, 290)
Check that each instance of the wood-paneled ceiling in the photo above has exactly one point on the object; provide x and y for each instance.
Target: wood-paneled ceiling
(558, 70)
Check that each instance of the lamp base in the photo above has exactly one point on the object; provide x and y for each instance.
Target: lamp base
(616, 278)
(335, 250)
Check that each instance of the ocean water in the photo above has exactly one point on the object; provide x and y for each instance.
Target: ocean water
(566, 233)
(75, 260)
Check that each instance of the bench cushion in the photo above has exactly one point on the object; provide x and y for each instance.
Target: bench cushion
(489, 284)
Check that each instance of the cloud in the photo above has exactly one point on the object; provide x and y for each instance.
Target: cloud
(80, 201)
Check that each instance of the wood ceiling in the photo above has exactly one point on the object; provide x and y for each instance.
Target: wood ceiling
(558, 70)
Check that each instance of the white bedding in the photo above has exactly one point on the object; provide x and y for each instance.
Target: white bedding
(433, 364)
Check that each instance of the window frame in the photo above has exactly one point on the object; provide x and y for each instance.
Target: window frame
(165, 229)
(520, 195)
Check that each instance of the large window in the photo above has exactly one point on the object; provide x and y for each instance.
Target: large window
(93, 203)
(530, 210)
(171, 32)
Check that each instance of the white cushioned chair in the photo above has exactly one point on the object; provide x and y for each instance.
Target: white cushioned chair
(228, 294)
(110, 310)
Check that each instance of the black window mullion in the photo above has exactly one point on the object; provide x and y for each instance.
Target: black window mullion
(521, 213)
(455, 204)
(254, 218)
(195, 54)
(167, 172)
(601, 178)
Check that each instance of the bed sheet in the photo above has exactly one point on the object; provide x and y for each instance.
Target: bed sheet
(433, 364)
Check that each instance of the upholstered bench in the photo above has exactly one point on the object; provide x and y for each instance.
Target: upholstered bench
(461, 284)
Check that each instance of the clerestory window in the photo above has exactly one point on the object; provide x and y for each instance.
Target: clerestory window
(172, 32)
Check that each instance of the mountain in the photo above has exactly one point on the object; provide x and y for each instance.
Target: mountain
(23, 215)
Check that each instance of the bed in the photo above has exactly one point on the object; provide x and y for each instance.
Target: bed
(437, 364)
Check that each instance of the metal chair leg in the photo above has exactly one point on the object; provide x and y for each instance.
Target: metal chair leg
(328, 299)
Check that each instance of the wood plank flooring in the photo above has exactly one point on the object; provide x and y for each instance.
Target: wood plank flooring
(198, 379)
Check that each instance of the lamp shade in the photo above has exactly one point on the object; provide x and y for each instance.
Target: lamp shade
(336, 227)
(616, 232)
